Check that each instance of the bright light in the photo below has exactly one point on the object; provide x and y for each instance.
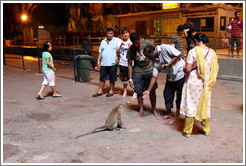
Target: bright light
(24, 17)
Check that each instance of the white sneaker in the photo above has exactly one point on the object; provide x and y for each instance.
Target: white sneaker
(134, 96)
(124, 94)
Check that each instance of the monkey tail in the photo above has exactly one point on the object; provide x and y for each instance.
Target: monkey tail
(99, 129)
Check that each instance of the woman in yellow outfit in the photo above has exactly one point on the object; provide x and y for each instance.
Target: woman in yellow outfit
(202, 69)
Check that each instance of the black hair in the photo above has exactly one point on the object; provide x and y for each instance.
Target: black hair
(134, 37)
(180, 28)
(110, 29)
(236, 12)
(190, 31)
(46, 46)
(149, 49)
(125, 29)
(201, 37)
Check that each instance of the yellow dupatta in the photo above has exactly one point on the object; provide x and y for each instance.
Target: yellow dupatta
(203, 107)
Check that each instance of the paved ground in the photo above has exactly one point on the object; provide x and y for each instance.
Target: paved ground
(44, 131)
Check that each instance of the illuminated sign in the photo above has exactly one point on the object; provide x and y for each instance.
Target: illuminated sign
(169, 5)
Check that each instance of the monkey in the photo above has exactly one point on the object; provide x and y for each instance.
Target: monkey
(113, 122)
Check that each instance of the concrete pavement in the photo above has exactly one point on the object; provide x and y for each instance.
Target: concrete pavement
(44, 131)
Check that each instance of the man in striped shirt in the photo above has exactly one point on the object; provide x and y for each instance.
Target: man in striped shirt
(177, 40)
(237, 28)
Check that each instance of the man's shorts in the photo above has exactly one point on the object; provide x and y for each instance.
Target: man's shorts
(141, 82)
(124, 74)
(233, 39)
(49, 78)
(108, 72)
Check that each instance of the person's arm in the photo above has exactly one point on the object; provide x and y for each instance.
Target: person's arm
(185, 32)
(130, 73)
(172, 62)
(99, 59)
(118, 49)
(48, 63)
(188, 68)
(152, 83)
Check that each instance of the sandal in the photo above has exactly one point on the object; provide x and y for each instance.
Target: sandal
(186, 135)
(39, 98)
(109, 94)
(97, 94)
(203, 132)
(57, 95)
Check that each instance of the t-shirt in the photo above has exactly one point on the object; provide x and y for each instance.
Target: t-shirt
(166, 53)
(108, 51)
(123, 52)
(142, 64)
(237, 25)
(46, 55)
(178, 41)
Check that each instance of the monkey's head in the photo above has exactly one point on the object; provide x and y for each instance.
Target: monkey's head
(118, 106)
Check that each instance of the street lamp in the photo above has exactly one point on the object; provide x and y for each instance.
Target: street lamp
(24, 17)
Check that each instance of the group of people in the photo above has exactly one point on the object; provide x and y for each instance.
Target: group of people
(140, 61)
(191, 78)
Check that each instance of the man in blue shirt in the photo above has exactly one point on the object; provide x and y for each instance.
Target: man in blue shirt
(107, 61)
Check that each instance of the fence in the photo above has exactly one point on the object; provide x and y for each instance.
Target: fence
(13, 50)
(76, 41)
(69, 53)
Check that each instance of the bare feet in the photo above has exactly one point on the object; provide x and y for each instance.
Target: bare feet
(166, 117)
(140, 114)
(156, 114)
(186, 135)
(172, 122)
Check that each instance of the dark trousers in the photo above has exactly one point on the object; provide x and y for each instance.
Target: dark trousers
(169, 92)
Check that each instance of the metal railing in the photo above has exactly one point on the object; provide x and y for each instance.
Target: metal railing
(13, 50)
(70, 53)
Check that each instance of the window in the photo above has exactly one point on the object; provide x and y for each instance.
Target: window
(204, 24)
(222, 23)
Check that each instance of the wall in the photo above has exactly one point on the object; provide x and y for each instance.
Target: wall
(231, 69)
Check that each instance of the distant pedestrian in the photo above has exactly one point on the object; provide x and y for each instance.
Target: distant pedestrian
(124, 44)
(48, 72)
(202, 69)
(87, 47)
(107, 61)
(235, 32)
(177, 40)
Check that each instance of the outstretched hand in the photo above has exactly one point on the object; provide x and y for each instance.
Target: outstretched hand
(145, 94)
